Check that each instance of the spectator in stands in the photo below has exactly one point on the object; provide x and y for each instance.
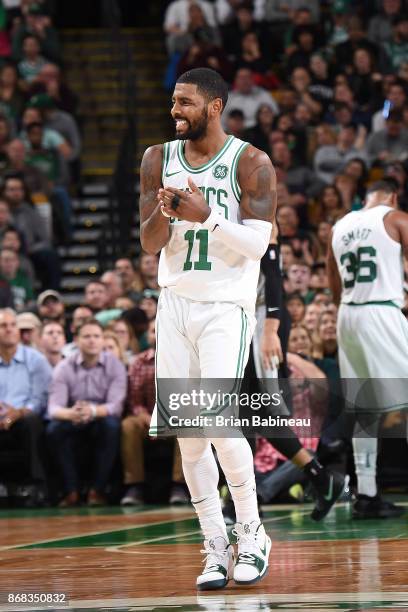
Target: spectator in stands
(296, 307)
(248, 97)
(390, 144)
(251, 56)
(148, 304)
(259, 134)
(60, 121)
(177, 20)
(202, 53)
(365, 80)
(300, 180)
(49, 81)
(37, 23)
(127, 338)
(29, 326)
(235, 123)
(135, 427)
(132, 281)
(86, 400)
(113, 345)
(325, 346)
(344, 95)
(4, 141)
(397, 171)
(347, 186)
(357, 169)
(301, 82)
(79, 316)
(5, 218)
(323, 236)
(124, 303)
(11, 239)
(114, 287)
(32, 61)
(46, 161)
(96, 295)
(50, 140)
(357, 39)
(298, 281)
(380, 26)
(397, 97)
(11, 97)
(148, 268)
(24, 380)
(396, 49)
(281, 11)
(305, 45)
(52, 341)
(34, 178)
(310, 321)
(287, 254)
(32, 227)
(329, 160)
(19, 282)
(242, 23)
(51, 307)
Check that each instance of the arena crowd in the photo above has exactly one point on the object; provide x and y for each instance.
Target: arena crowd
(321, 87)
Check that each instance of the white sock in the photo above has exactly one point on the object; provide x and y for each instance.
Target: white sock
(210, 516)
(201, 475)
(365, 459)
(237, 462)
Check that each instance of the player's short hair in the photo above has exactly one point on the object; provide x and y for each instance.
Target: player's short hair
(209, 83)
(387, 185)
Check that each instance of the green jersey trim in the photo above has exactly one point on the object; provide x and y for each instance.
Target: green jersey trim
(165, 161)
(211, 162)
(375, 303)
(236, 189)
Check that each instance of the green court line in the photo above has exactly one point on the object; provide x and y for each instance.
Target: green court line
(283, 524)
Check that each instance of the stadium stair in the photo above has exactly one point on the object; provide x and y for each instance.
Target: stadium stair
(93, 70)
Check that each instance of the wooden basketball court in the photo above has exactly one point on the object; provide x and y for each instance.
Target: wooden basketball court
(147, 559)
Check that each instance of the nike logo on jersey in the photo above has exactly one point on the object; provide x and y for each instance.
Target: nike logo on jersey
(167, 175)
(273, 309)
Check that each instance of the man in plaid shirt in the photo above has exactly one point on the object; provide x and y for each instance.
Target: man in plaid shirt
(135, 428)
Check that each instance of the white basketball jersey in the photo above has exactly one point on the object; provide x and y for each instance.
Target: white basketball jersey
(194, 264)
(369, 260)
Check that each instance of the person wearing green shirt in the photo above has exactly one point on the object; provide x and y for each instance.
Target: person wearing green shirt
(19, 282)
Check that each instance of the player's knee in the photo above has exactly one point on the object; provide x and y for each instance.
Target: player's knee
(193, 449)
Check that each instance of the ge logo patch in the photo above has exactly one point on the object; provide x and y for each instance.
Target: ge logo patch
(220, 171)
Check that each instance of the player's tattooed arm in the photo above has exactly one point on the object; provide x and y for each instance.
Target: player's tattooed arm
(257, 179)
(154, 227)
(333, 275)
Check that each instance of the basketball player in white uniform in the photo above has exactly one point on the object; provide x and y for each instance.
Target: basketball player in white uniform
(366, 276)
(207, 202)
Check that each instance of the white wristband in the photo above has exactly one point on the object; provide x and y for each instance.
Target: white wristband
(211, 220)
(94, 411)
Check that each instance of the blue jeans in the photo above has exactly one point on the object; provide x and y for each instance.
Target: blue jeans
(270, 484)
(102, 436)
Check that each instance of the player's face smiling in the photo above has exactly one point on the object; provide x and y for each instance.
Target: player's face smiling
(189, 112)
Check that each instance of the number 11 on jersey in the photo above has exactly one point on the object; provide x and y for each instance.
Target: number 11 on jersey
(202, 263)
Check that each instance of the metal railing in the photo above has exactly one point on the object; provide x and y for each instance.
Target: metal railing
(115, 239)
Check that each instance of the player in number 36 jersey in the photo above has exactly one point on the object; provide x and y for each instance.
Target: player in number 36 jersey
(365, 272)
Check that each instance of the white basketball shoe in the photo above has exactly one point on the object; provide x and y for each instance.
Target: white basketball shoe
(253, 552)
(219, 564)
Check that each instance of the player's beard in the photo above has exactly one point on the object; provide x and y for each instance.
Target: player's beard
(196, 130)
